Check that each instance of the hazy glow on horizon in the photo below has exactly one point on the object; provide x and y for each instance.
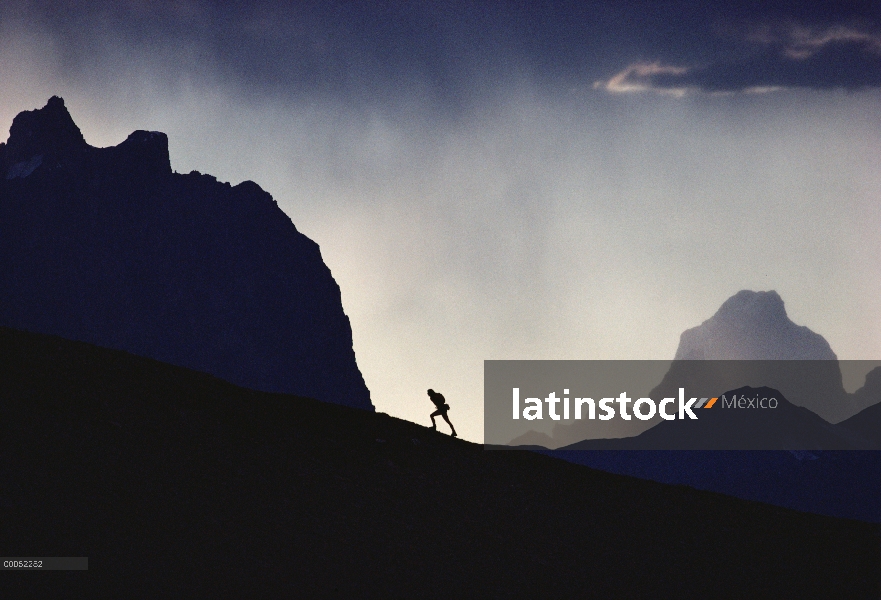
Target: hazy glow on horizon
(538, 224)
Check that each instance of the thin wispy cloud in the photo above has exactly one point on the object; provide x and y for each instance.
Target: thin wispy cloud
(783, 57)
(800, 42)
(638, 78)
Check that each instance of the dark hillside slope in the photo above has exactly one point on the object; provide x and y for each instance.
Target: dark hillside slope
(176, 483)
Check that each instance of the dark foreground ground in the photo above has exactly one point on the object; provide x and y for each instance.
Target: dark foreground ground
(176, 484)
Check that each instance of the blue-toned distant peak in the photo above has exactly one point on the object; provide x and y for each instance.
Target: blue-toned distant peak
(747, 304)
(752, 326)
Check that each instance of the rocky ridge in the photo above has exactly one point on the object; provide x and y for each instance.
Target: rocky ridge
(111, 247)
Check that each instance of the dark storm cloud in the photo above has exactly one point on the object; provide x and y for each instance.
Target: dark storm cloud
(769, 48)
(330, 49)
(449, 52)
(443, 52)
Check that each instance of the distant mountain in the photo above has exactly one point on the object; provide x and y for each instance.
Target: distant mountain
(844, 483)
(753, 330)
(867, 423)
(176, 484)
(109, 246)
(752, 326)
(750, 341)
(786, 427)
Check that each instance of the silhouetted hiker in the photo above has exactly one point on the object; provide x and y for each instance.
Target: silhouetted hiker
(442, 408)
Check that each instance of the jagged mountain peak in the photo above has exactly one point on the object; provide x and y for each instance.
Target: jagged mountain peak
(43, 131)
(49, 136)
(746, 304)
(752, 326)
(109, 246)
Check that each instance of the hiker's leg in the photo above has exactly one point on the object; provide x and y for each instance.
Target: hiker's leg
(447, 419)
(433, 415)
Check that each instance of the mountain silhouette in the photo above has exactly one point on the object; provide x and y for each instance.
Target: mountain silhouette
(786, 427)
(175, 483)
(752, 326)
(109, 246)
(867, 423)
(845, 483)
(751, 342)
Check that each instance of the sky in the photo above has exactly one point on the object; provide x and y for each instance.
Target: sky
(526, 180)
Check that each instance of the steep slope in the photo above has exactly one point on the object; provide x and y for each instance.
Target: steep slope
(176, 483)
(109, 246)
(842, 483)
